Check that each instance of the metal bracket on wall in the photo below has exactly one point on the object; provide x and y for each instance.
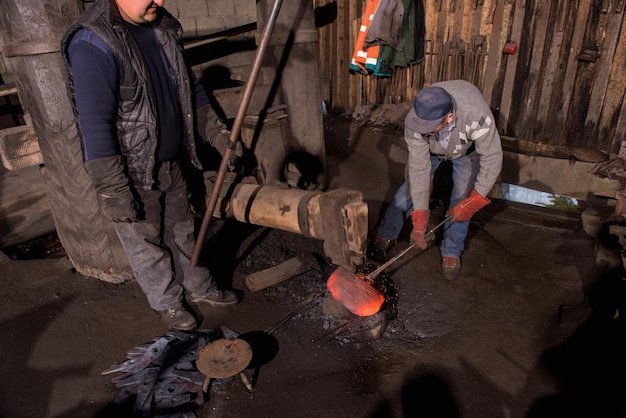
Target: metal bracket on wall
(589, 55)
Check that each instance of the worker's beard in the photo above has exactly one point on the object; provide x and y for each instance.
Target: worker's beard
(151, 13)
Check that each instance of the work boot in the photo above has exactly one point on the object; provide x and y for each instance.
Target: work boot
(216, 298)
(378, 248)
(179, 319)
(451, 267)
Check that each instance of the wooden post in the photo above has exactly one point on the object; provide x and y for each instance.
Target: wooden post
(293, 54)
(32, 30)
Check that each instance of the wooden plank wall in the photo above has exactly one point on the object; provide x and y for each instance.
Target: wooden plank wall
(565, 85)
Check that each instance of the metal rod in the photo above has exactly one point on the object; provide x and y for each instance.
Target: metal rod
(234, 133)
(395, 258)
(294, 311)
(335, 332)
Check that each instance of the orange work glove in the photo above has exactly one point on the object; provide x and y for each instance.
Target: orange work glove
(420, 223)
(466, 208)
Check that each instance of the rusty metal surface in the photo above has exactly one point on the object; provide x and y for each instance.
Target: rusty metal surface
(224, 357)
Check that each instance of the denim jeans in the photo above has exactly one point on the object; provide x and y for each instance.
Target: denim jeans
(160, 245)
(464, 172)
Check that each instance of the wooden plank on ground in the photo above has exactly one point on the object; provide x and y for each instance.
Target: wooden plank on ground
(274, 275)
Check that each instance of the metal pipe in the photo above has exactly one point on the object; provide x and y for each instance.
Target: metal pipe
(234, 133)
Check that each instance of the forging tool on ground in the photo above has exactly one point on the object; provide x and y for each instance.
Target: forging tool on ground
(338, 330)
(294, 311)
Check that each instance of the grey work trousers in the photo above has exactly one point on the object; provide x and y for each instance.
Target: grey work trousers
(160, 245)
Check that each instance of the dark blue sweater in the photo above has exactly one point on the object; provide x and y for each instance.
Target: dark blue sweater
(95, 77)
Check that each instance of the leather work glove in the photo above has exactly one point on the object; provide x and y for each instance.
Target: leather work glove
(221, 142)
(466, 208)
(214, 132)
(110, 181)
(420, 224)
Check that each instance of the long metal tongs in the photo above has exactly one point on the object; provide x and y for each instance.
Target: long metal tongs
(395, 258)
(234, 133)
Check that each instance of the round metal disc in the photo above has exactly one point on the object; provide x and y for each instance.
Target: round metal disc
(224, 358)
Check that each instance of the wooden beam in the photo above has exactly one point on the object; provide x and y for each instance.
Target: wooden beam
(560, 126)
(521, 146)
(600, 91)
(620, 129)
(7, 89)
(550, 76)
(274, 275)
(511, 68)
(493, 70)
(526, 111)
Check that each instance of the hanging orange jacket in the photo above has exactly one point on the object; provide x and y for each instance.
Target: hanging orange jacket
(365, 60)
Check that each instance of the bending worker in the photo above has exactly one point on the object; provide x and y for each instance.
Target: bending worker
(136, 101)
(448, 121)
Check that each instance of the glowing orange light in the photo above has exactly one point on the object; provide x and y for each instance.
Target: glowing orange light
(354, 293)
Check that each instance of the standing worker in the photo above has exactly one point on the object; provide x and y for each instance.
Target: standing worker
(449, 121)
(131, 91)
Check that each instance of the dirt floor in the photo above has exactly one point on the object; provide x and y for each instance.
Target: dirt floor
(532, 328)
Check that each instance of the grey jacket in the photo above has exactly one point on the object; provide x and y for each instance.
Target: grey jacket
(137, 125)
(474, 124)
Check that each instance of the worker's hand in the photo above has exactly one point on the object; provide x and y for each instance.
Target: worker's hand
(466, 208)
(222, 142)
(108, 175)
(420, 223)
(213, 131)
(119, 208)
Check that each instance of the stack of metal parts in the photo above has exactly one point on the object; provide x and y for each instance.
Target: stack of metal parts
(163, 375)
